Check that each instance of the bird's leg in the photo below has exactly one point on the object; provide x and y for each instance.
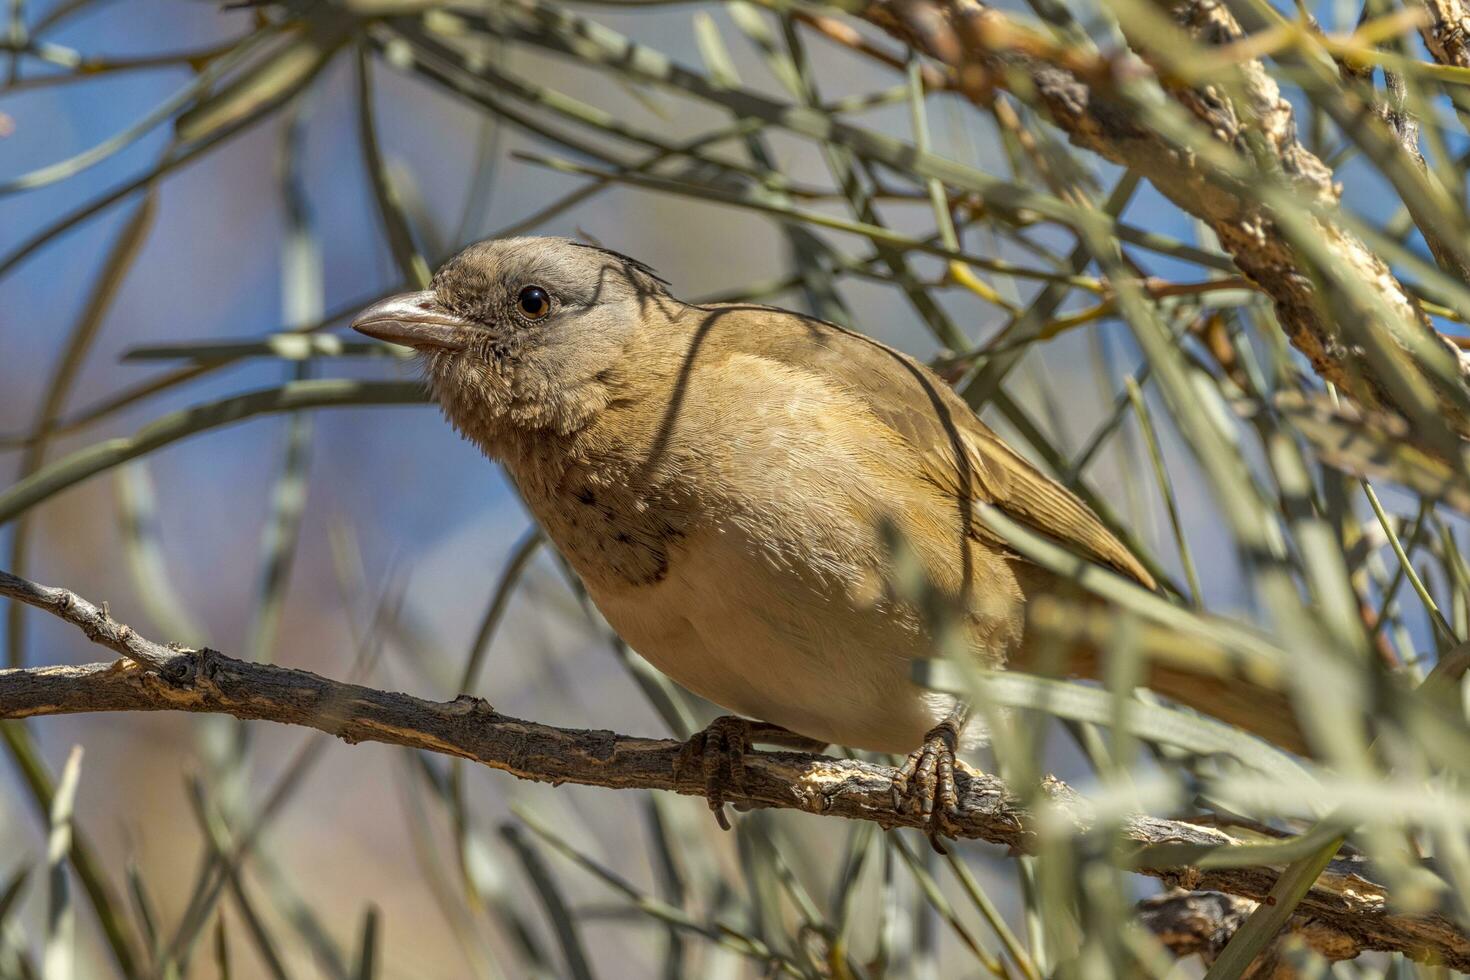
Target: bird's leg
(925, 782)
(719, 751)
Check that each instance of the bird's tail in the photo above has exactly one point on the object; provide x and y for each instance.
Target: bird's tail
(1222, 693)
(1241, 703)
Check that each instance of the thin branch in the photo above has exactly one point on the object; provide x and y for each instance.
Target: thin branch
(95, 623)
(841, 33)
(155, 677)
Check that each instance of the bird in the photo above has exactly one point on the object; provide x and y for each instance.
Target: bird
(737, 486)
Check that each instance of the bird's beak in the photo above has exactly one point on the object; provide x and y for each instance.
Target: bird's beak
(414, 320)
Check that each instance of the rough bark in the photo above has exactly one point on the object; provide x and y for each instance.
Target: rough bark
(1447, 35)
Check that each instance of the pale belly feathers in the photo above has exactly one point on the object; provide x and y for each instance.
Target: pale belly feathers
(766, 643)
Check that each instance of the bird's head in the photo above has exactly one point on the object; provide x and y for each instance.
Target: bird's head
(521, 335)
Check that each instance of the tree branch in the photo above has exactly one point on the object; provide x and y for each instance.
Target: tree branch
(1202, 923)
(1447, 34)
(154, 677)
(1075, 88)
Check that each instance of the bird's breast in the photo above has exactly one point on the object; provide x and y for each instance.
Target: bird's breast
(806, 644)
(613, 537)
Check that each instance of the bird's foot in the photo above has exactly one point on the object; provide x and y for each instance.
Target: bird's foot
(718, 752)
(925, 784)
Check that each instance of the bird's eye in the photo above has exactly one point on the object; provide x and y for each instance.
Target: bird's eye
(534, 302)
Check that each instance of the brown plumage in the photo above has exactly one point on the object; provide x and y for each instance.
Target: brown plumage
(729, 482)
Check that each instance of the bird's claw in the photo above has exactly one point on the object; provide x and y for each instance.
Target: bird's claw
(925, 785)
(719, 753)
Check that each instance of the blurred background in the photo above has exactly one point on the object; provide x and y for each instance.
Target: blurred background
(369, 542)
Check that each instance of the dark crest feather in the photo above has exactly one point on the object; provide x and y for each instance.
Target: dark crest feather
(628, 260)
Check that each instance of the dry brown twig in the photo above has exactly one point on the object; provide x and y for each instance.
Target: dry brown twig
(844, 35)
(151, 676)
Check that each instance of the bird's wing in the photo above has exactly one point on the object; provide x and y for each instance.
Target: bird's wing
(956, 451)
